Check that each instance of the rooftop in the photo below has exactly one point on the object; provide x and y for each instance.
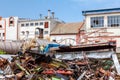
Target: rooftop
(101, 11)
(67, 28)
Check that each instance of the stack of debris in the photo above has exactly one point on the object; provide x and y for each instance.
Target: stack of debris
(5, 70)
(45, 67)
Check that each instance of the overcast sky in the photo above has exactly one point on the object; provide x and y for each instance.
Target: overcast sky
(66, 10)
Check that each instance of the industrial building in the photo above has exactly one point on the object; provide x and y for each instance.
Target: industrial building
(39, 28)
(102, 25)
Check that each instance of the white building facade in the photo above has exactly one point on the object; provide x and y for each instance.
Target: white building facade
(14, 28)
(65, 39)
(9, 28)
(40, 28)
(104, 24)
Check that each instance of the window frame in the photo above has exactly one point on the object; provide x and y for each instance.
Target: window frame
(45, 32)
(31, 24)
(3, 34)
(96, 22)
(11, 19)
(0, 26)
(23, 32)
(36, 24)
(41, 23)
(27, 24)
(27, 32)
(22, 25)
(113, 21)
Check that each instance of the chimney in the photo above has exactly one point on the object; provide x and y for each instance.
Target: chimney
(40, 16)
(49, 14)
(53, 15)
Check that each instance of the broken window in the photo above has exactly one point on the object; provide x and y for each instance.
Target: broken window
(97, 22)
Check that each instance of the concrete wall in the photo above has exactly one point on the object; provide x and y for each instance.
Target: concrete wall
(11, 31)
(64, 39)
(2, 29)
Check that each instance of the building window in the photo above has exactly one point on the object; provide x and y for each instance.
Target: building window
(36, 24)
(97, 22)
(113, 21)
(46, 25)
(0, 26)
(22, 25)
(27, 32)
(27, 24)
(36, 32)
(31, 24)
(11, 21)
(46, 32)
(23, 33)
(41, 23)
(3, 34)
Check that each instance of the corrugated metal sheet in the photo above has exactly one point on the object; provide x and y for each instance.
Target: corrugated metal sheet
(43, 42)
(79, 55)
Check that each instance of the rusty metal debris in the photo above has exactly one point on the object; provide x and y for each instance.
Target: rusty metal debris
(44, 67)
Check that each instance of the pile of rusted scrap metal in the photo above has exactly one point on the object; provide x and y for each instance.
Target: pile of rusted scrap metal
(5, 70)
(45, 67)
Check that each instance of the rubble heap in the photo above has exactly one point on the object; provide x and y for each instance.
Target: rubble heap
(45, 67)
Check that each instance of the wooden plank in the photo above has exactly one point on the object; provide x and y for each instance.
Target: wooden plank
(82, 75)
(116, 62)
